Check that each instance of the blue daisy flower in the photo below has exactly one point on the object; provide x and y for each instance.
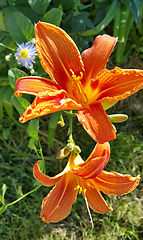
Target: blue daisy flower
(25, 53)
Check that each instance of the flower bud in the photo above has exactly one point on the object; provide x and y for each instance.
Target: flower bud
(32, 71)
(33, 41)
(65, 151)
(76, 149)
(61, 123)
(117, 118)
(8, 57)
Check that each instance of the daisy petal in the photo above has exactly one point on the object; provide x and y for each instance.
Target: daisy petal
(33, 85)
(96, 57)
(57, 205)
(26, 53)
(96, 122)
(115, 183)
(58, 54)
(48, 102)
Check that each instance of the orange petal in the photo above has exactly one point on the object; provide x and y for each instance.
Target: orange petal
(118, 84)
(95, 162)
(94, 197)
(48, 102)
(57, 205)
(90, 168)
(42, 178)
(96, 57)
(58, 54)
(115, 183)
(100, 150)
(96, 122)
(33, 85)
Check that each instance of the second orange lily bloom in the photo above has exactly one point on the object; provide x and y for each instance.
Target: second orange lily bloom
(78, 82)
(88, 178)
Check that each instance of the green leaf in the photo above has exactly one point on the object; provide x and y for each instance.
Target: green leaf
(20, 190)
(9, 109)
(20, 104)
(7, 102)
(3, 3)
(2, 209)
(32, 144)
(39, 6)
(8, 93)
(77, 23)
(1, 112)
(33, 128)
(2, 24)
(67, 5)
(136, 10)
(53, 16)
(86, 21)
(13, 75)
(11, 2)
(4, 188)
(108, 18)
(52, 127)
(20, 27)
(6, 134)
(1, 199)
(3, 90)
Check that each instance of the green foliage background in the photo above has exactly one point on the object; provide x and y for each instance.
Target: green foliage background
(22, 144)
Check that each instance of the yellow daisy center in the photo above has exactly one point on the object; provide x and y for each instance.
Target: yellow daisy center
(23, 53)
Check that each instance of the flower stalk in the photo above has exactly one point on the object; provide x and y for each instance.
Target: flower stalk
(70, 116)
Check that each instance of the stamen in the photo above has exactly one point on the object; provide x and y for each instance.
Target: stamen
(77, 89)
(80, 189)
(89, 212)
(76, 188)
(81, 93)
(84, 191)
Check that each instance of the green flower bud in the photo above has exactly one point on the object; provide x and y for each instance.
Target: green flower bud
(117, 118)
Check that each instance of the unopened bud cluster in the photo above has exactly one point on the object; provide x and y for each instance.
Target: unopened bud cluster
(70, 147)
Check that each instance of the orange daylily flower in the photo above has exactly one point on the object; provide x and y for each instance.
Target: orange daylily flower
(78, 82)
(88, 178)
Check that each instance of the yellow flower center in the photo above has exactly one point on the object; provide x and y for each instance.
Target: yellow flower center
(23, 53)
(77, 90)
(80, 189)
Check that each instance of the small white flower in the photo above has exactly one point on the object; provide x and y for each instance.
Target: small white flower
(25, 54)
(32, 71)
(33, 41)
(8, 57)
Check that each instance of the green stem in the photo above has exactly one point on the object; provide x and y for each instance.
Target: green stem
(9, 204)
(12, 49)
(117, 22)
(42, 165)
(70, 115)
